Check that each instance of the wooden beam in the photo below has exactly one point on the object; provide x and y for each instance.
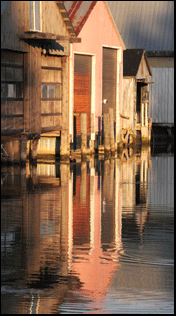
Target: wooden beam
(48, 36)
(125, 117)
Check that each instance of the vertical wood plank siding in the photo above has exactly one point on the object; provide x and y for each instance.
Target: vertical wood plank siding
(161, 95)
(82, 88)
(51, 106)
(109, 79)
(12, 107)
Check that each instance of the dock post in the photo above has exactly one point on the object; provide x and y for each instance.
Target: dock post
(23, 148)
(34, 149)
(111, 125)
(92, 132)
(83, 183)
(64, 145)
(106, 133)
(83, 123)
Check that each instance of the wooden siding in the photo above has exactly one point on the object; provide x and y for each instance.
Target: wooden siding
(51, 106)
(15, 20)
(129, 105)
(35, 89)
(142, 71)
(12, 107)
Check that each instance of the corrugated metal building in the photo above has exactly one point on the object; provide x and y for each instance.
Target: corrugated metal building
(161, 182)
(150, 25)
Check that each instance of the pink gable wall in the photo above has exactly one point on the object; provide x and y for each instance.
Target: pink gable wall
(99, 30)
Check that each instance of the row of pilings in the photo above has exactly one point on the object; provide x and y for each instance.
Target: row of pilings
(102, 144)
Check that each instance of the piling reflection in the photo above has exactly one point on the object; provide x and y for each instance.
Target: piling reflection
(62, 228)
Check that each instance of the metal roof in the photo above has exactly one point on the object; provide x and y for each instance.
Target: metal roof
(78, 12)
(131, 61)
(145, 24)
(3, 6)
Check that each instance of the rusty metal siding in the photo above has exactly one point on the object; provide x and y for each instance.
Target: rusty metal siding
(109, 79)
(161, 95)
(145, 24)
(78, 12)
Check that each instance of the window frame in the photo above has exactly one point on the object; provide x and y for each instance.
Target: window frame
(33, 16)
(48, 84)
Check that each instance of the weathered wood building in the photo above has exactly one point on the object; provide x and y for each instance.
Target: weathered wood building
(135, 113)
(150, 25)
(35, 45)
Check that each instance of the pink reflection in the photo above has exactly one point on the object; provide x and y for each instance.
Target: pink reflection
(89, 262)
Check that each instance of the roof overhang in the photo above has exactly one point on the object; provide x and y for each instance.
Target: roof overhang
(32, 35)
(115, 26)
(67, 21)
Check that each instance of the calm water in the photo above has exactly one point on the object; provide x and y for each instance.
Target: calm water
(90, 237)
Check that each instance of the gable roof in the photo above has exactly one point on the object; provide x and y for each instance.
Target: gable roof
(131, 62)
(79, 12)
(145, 24)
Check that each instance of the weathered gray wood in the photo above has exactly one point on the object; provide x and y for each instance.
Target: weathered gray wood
(83, 126)
(106, 132)
(111, 129)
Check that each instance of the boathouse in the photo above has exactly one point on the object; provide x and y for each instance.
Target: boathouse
(95, 72)
(135, 113)
(150, 25)
(35, 45)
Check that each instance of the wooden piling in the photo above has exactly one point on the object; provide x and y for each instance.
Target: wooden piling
(83, 125)
(106, 133)
(64, 145)
(23, 148)
(92, 133)
(83, 183)
(34, 149)
(111, 129)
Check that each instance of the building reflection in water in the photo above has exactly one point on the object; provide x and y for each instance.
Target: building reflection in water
(62, 228)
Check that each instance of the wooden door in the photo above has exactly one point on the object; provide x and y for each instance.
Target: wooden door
(109, 79)
(82, 88)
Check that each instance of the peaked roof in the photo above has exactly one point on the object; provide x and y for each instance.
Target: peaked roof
(79, 12)
(131, 61)
(145, 24)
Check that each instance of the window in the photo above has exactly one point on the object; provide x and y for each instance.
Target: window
(11, 75)
(51, 91)
(35, 15)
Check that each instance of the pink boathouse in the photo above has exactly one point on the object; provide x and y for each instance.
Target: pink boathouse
(95, 68)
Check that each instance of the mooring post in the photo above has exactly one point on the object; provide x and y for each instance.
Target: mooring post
(92, 132)
(83, 183)
(83, 123)
(23, 148)
(34, 149)
(65, 143)
(111, 125)
(106, 133)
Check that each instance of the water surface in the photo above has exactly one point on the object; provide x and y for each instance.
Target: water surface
(88, 237)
